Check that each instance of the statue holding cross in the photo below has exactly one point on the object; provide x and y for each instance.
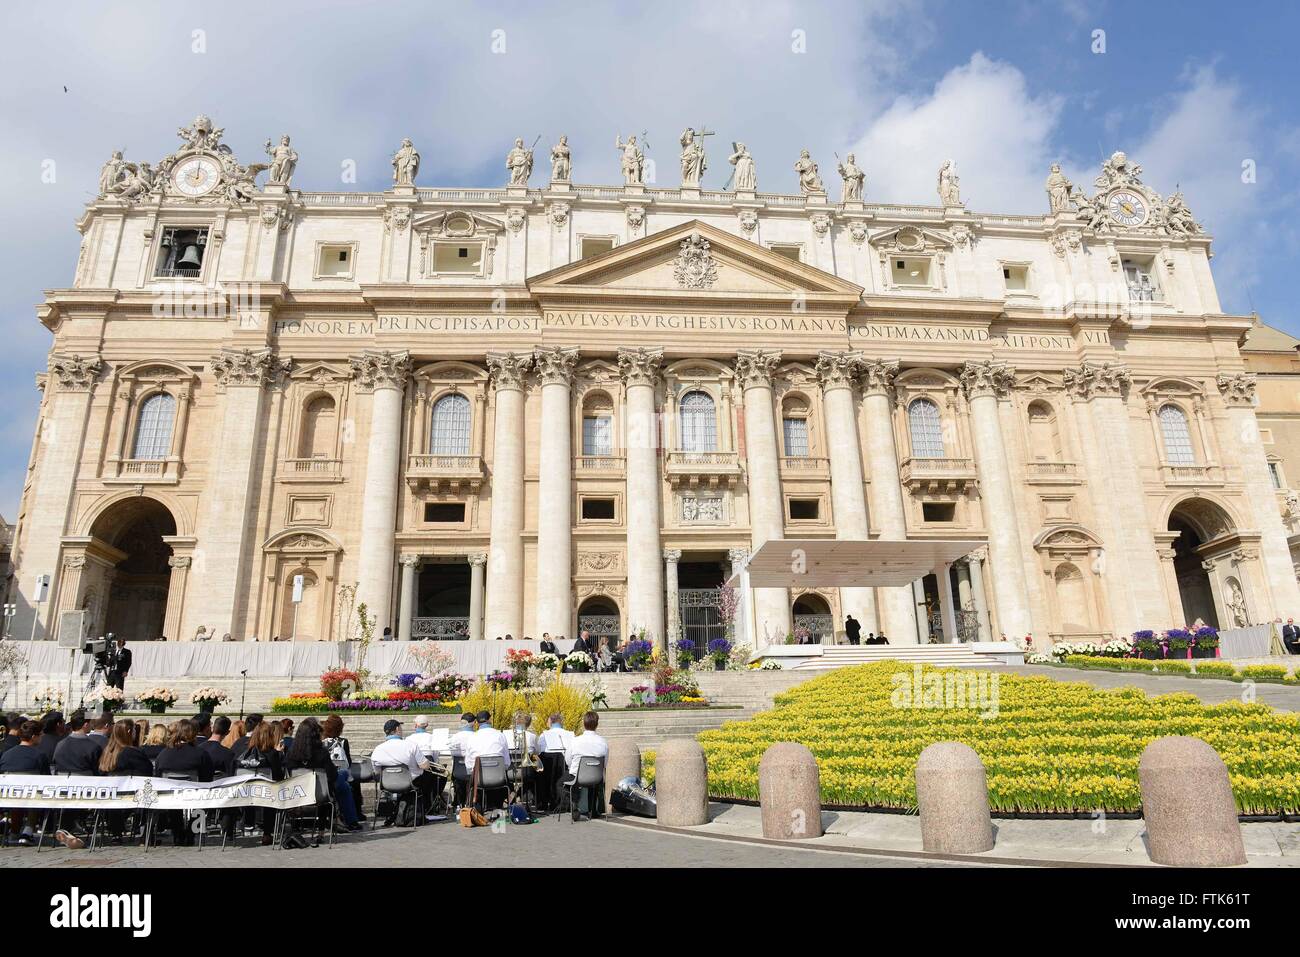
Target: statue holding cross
(693, 161)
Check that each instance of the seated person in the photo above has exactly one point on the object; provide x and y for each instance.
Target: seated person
(396, 751)
(340, 751)
(78, 753)
(308, 751)
(223, 759)
(486, 742)
(456, 748)
(552, 748)
(547, 646)
(587, 744)
(26, 757)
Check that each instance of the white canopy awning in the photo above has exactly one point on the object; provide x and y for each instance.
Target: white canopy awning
(812, 563)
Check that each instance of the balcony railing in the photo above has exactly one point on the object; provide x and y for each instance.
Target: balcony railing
(311, 470)
(1052, 471)
(607, 465)
(137, 471)
(1199, 474)
(702, 468)
(444, 470)
(806, 466)
(444, 628)
(937, 472)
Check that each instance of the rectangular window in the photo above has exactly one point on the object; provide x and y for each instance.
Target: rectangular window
(938, 511)
(597, 435)
(805, 509)
(598, 509)
(181, 254)
(594, 246)
(1015, 278)
(450, 512)
(1275, 474)
(458, 258)
(911, 272)
(334, 261)
(796, 437)
(1141, 281)
(788, 250)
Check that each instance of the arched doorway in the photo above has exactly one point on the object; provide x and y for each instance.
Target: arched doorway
(1199, 523)
(304, 626)
(136, 586)
(1072, 600)
(813, 612)
(599, 617)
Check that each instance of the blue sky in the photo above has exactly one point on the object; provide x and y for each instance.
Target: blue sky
(1189, 90)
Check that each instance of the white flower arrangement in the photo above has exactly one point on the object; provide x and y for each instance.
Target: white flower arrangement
(107, 693)
(159, 695)
(579, 658)
(48, 699)
(216, 695)
(770, 664)
(1039, 659)
(545, 662)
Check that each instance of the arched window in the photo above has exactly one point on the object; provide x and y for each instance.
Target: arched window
(1178, 438)
(153, 430)
(794, 428)
(450, 433)
(699, 421)
(926, 429)
(1044, 441)
(597, 425)
(316, 440)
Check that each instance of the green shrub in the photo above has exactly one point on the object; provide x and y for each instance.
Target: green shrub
(1215, 669)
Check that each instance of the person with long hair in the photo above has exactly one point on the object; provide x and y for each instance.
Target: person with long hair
(141, 731)
(121, 756)
(236, 732)
(262, 754)
(155, 741)
(340, 751)
(309, 752)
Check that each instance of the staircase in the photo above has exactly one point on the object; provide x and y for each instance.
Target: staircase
(947, 655)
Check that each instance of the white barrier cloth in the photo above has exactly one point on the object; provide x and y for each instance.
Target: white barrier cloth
(154, 794)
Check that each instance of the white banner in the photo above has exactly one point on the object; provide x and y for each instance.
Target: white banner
(154, 794)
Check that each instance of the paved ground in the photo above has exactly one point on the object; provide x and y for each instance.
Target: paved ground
(1209, 690)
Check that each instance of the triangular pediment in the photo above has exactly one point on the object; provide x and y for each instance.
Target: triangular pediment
(698, 261)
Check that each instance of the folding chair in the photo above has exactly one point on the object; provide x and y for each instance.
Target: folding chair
(151, 815)
(363, 772)
(321, 795)
(489, 775)
(590, 774)
(396, 782)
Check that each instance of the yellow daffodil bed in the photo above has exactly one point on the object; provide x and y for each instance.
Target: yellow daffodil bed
(1047, 745)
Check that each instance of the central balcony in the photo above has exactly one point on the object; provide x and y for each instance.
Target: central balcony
(144, 471)
(937, 475)
(1198, 475)
(702, 468)
(1051, 473)
(805, 467)
(311, 470)
(599, 466)
(444, 473)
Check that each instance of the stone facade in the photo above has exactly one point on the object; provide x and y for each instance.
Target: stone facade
(520, 409)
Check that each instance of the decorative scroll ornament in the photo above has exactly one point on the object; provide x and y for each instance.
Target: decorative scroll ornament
(515, 219)
(558, 214)
(243, 367)
(75, 373)
(1097, 378)
(508, 368)
(695, 267)
(838, 369)
(1237, 389)
(639, 366)
(754, 367)
(821, 223)
(397, 217)
(987, 377)
(555, 365)
(379, 370)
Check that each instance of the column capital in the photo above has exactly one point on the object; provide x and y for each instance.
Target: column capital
(737, 554)
(375, 369)
(478, 559)
(75, 373)
(987, 377)
(1237, 389)
(640, 366)
(555, 365)
(248, 367)
(837, 370)
(876, 376)
(672, 555)
(754, 367)
(179, 561)
(508, 369)
(1097, 378)
(410, 561)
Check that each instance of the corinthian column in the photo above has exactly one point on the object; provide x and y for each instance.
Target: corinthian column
(63, 432)
(985, 383)
(477, 562)
(1238, 391)
(505, 597)
(383, 374)
(555, 492)
(837, 370)
(876, 379)
(645, 573)
(766, 512)
(224, 553)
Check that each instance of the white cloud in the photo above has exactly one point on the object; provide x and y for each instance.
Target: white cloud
(981, 115)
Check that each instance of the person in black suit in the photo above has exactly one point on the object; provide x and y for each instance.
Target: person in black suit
(585, 644)
(852, 630)
(119, 664)
(1291, 636)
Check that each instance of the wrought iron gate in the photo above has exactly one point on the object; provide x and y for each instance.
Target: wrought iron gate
(700, 615)
(600, 626)
(821, 628)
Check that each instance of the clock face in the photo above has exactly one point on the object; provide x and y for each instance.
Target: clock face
(196, 176)
(1127, 208)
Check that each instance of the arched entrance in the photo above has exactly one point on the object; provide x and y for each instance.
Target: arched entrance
(1199, 523)
(136, 585)
(600, 617)
(813, 612)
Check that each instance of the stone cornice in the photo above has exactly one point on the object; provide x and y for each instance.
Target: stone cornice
(987, 377)
(754, 367)
(1237, 389)
(508, 369)
(555, 365)
(75, 373)
(1097, 378)
(381, 370)
(640, 366)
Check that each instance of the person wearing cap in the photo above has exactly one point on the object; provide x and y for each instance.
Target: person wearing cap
(398, 752)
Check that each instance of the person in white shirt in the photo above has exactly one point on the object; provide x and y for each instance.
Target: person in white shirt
(486, 741)
(456, 748)
(520, 733)
(555, 737)
(421, 740)
(587, 744)
(398, 752)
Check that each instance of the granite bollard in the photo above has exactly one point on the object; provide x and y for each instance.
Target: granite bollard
(624, 760)
(1187, 804)
(952, 796)
(789, 792)
(681, 784)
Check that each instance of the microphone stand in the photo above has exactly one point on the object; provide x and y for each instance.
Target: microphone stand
(243, 683)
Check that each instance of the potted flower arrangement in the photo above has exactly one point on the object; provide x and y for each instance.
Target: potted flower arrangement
(337, 682)
(1205, 643)
(685, 648)
(48, 699)
(207, 699)
(501, 680)
(720, 652)
(157, 700)
(1147, 645)
(1179, 641)
(637, 653)
(111, 699)
(578, 661)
